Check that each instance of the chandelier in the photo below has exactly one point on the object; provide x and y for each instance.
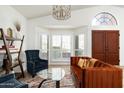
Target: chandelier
(61, 12)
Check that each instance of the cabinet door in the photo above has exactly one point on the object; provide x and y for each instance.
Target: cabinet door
(98, 45)
(112, 47)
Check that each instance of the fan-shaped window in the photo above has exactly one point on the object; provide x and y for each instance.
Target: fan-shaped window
(104, 18)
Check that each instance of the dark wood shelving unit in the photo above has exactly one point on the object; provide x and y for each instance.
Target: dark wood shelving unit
(8, 64)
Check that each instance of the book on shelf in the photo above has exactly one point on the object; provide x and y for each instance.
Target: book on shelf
(14, 50)
(12, 47)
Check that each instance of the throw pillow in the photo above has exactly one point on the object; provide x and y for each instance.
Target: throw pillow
(92, 62)
(88, 63)
(85, 63)
(80, 62)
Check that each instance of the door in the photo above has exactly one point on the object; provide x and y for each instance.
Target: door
(112, 47)
(98, 45)
(105, 46)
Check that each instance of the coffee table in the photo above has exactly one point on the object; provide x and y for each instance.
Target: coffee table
(54, 74)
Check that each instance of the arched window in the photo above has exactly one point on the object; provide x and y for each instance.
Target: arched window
(104, 18)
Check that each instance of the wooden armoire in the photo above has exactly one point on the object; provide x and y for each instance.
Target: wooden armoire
(105, 46)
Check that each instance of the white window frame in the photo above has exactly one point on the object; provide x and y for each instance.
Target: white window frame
(72, 40)
(78, 49)
(61, 50)
(40, 47)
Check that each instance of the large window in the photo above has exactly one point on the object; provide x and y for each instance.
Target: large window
(44, 46)
(60, 47)
(79, 45)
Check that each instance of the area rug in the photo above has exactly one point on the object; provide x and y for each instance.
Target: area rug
(66, 82)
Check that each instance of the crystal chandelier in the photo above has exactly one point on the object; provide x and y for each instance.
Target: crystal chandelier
(61, 12)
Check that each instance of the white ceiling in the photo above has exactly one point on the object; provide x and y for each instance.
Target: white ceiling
(34, 11)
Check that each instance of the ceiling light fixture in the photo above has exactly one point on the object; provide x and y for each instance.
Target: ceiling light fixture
(61, 12)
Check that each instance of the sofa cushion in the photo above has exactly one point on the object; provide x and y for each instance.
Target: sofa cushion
(81, 62)
(101, 64)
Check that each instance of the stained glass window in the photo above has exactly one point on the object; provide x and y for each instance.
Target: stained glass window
(104, 18)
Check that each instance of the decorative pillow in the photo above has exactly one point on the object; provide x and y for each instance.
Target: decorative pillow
(92, 62)
(85, 63)
(81, 62)
(88, 62)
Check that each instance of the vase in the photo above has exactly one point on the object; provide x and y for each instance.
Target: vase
(18, 35)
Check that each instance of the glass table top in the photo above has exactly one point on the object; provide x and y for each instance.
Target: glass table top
(52, 73)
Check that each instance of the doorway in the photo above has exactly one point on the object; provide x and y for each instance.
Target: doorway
(105, 46)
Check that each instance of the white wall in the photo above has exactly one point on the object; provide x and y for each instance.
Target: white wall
(33, 32)
(84, 17)
(39, 31)
(8, 16)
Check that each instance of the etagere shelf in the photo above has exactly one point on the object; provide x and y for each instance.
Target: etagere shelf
(7, 63)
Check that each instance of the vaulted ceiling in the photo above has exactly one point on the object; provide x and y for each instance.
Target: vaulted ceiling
(40, 15)
(34, 11)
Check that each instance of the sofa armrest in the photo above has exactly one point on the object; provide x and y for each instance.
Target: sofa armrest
(44, 60)
(74, 60)
(7, 77)
(102, 77)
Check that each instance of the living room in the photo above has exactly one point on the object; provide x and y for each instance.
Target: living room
(58, 40)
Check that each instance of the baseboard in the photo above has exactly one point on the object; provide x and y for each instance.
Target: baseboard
(59, 64)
